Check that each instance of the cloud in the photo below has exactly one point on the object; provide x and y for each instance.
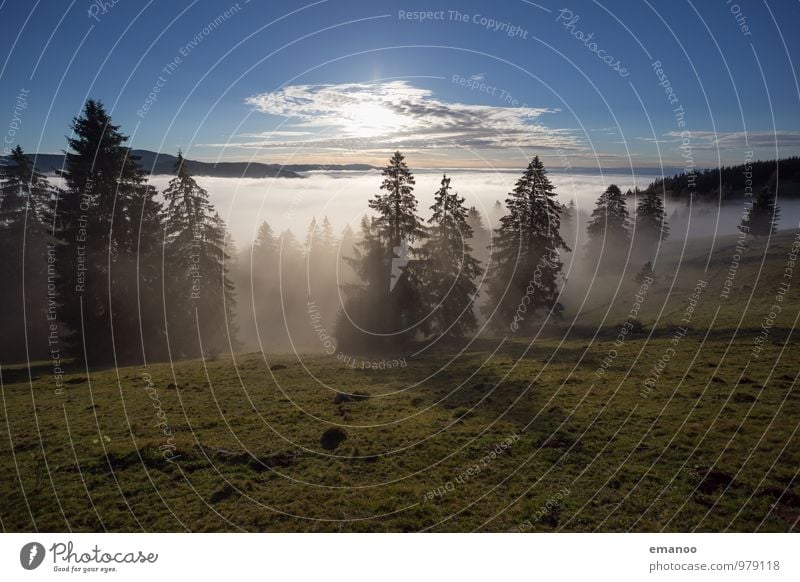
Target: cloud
(710, 140)
(370, 116)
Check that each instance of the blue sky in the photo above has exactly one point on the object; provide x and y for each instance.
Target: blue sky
(474, 84)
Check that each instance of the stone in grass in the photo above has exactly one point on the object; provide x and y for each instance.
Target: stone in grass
(712, 479)
(276, 367)
(332, 438)
(341, 397)
(222, 493)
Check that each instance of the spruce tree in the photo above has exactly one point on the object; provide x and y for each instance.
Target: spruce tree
(448, 269)
(199, 292)
(569, 219)
(389, 300)
(258, 289)
(762, 219)
(107, 218)
(27, 266)
(651, 224)
(609, 228)
(526, 270)
(362, 318)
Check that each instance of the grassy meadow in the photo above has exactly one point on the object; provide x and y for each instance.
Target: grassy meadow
(569, 431)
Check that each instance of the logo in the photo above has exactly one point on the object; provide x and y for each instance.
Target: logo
(399, 262)
(31, 555)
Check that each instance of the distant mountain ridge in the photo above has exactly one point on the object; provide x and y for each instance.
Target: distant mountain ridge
(164, 164)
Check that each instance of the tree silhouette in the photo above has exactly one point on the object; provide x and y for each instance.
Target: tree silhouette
(26, 247)
(609, 228)
(200, 295)
(525, 275)
(447, 268)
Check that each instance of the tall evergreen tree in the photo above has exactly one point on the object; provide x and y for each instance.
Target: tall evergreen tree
(328, 238)
(762, 220)
(569, 221)
(361, 317)
(651, 224)
(313, 236)
(389, 300)
(525, 275)
(609, 227)
(26, 199)
(108, 221)
(448, 269)
(199, 291)
(481, 235)
(397, 219)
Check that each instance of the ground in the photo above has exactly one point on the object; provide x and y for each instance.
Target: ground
(522, 434)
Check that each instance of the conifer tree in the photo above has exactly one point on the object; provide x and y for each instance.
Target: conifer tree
(200, 293)
(447, 266)
(108, 221)
(26, 245)
(762, 220)
(651, 224)
(525, 275)
(569, 219)
(609, 228)
(389, 300)
(481, 235)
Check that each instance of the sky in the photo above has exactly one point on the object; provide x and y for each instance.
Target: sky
(451, 84)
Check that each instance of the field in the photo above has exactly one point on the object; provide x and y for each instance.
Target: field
(564, 432)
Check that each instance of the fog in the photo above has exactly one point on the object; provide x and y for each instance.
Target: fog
(290, 298)
(342, 197)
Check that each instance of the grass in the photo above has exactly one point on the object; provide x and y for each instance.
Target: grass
(711, 447)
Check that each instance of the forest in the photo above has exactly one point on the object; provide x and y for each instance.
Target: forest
(108, 271)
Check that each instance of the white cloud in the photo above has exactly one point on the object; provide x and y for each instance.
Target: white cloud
(369, 116)
(737, 139)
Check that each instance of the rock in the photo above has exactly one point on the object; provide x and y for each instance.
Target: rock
(743, 398)
(276, 367)
(712, 479)
(222, 493)
(341, 397)
(332, 438)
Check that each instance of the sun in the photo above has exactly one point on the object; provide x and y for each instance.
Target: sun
(371, 120)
